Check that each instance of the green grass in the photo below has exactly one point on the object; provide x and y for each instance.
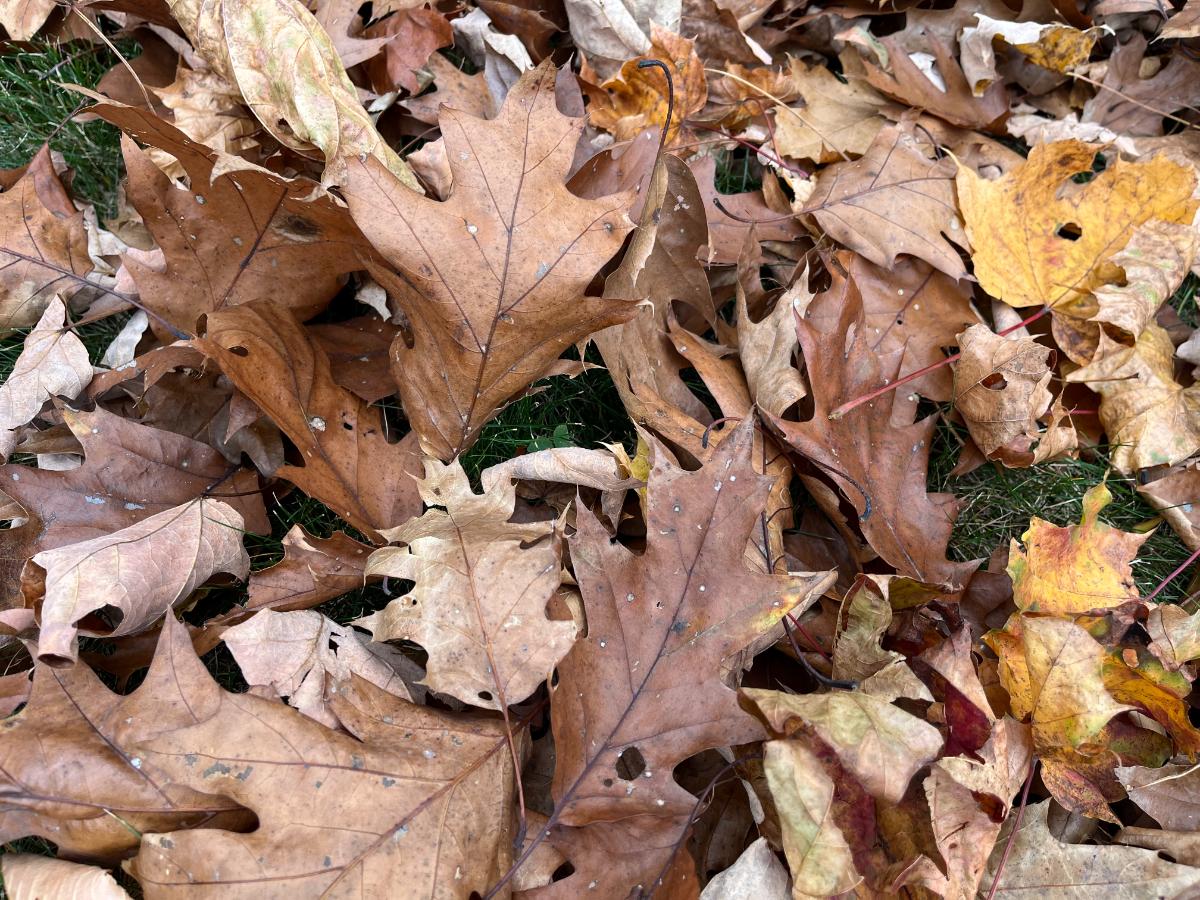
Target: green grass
(34, 109)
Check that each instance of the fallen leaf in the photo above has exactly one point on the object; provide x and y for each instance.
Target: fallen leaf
(895, 200)
(481, 593)
(1181, 846)
(1053, 672)
(1050, 45)
(1174, 635)
(1038, 238)
(347, 461)
(1132, 104)
(122, 582)
(611, 33)
(1039, 862)
(409, 37)
(410, 798)
(636, 98)
(646, 687)
(819, 857)
(1183, 23)
(235, 236)
(880, 744)
(1169, 793)
(766, 349)
(43, 247)
(490, 306)
(208, 109)
(1156, 260)
(757, 875)
(1150, 418)
(836, 119)
(30, 877)
(22, 19)
(289, 73)
(1001, 390)
(53, 363)
(1176, 496)
(303, 655)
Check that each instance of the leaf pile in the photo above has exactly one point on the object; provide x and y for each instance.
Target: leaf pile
(736, 659)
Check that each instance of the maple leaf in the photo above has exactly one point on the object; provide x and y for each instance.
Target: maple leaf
(648, 682)
(1150, 418)
(837, 118)
(235, 236)
(411, 803)
(1038, 238)
(43, 247)
(346, 459)
(471, 565)
(139, 573)
(492, 279)
(878, 464)
(893, 200)
(53, 363)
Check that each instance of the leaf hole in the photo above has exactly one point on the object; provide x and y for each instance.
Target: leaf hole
(995, 382)
(239, 351)
(631, 763)
(1069, 231)
(486, 696)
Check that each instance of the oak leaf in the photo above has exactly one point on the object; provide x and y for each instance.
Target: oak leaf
(1150, 418)
(289, 73)
(836, 120)
(1171, 794)
(875, 454)
(412, 803)
(347, 461)
(879, 743)
(139, 572)
(894, 200)
(492, 280)
(53, 363)
(67, 778)
(1131, 104)
(648, 683)
(43, 246)
(234, 236)
(1039, 238)
(482, 588)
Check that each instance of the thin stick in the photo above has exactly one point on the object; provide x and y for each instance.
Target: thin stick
(1016, 826)
(913, 376)
(1183, 565)
(659, 64)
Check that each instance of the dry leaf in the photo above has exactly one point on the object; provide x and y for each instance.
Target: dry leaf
(894, 200)
(1169, 794)
(348, 463)
(610, 33)
(1056, 47)
(43, 247)
(482, 589)
(757, 875)
(1175, 496)
(880, 744)
(122, 582)
(53, 363)
(836, 119)
(410, 798)
(1156, 260)
(1039, 238)
(491, 280)
(289, 73)
(22, 19)
(29, 877)
(1150, 419)
(1130, 103)
(303, 655)
(207, 109)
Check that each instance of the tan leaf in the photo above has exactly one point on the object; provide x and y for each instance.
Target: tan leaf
(867, 612)
(836, 118)
(302, 654)
(1170, 794)
(234, 236)
(1053, 46)
(312, 571)
(648, 686)
(880, 744)
(611, 33)
(821, 861)
(289, 73)
(1039, 863)
(757, 875)
(139, 573)
(43, 247)
(482, 586)
(766, 349)
(413, 803)
(53, 363)
(1134, 104)
(894, 200)
(1181, 846)
(1176, 496)
(492, 279)
(348, 463)
(66, 778)
(1184, 23)
(1001, 390)
(1174, 635)
(1038, 238)
(1156, 260)
(1150, 419)
(29, 877)
(22, 19)
(208, 109)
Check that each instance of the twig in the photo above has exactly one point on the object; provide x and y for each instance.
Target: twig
(1008, 845)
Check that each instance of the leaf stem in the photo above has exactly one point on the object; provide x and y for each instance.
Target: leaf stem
(1183, 565)
(913, 376)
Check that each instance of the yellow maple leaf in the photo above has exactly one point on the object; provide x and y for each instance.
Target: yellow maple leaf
(1041, 238)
